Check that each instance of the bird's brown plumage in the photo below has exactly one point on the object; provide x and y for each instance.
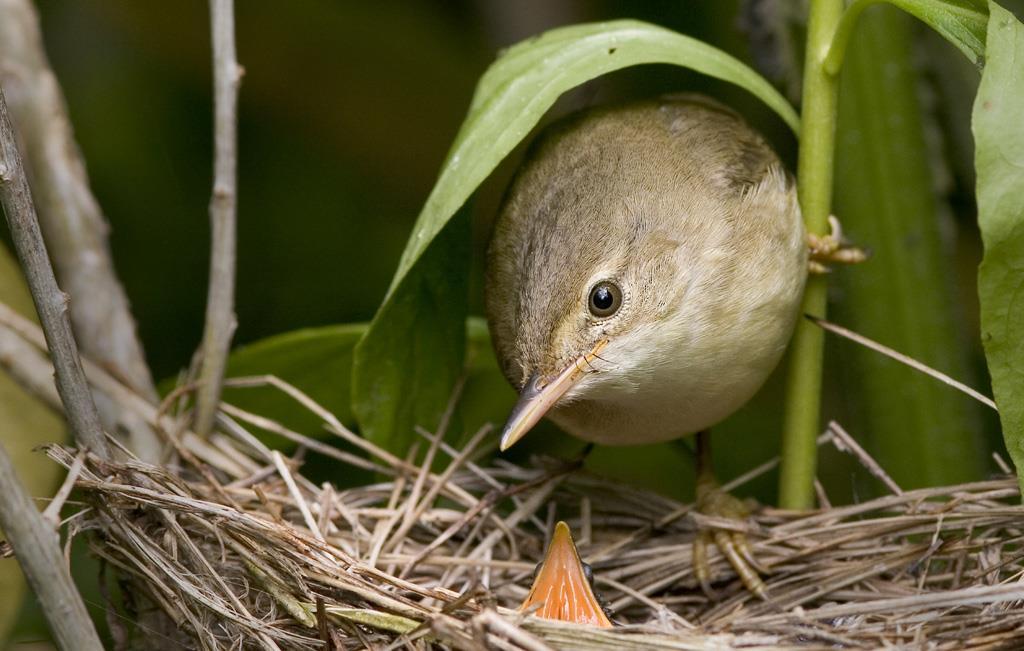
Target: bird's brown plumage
(687, 209)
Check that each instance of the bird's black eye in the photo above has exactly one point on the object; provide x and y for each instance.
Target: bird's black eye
(605, 299)
(588, 573)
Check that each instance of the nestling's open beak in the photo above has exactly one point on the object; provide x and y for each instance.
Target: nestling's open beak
(539, 396)
(561, 589)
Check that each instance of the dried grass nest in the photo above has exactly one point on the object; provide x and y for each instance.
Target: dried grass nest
(241, 551)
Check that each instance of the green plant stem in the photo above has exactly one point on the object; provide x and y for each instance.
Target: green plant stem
(803, 409)
(814, 185)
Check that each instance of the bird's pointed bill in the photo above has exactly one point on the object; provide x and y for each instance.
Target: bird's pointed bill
(538, 397)
(561, 590)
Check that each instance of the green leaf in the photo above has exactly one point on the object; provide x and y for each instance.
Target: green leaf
(487, 397)
(319, 362)
(999, 162)
(961, 22)
(316, 360)
(407, 365)
(919, 430)
(403, 374)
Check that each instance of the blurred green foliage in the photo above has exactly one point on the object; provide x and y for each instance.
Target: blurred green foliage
(24, 424)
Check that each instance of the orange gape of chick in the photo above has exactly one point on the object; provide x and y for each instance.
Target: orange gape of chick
(561, 589)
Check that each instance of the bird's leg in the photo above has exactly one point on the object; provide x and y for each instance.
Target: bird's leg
(831, 249)
(713, 501)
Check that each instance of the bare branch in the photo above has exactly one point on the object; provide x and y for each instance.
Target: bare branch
(51, 303)
(220, 313)
(37, 548)
(70, 218)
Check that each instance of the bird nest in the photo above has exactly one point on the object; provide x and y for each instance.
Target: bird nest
(239, 550)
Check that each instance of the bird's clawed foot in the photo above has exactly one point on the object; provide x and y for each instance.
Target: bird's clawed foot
(831, 249)
(712, 501)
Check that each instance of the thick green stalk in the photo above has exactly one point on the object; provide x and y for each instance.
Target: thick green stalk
(814, 183)
(922, 433)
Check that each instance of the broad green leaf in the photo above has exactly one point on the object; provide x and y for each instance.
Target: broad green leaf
(407, 365)
(25, 423)
(999, 162)
(411, 356)
(487, 397)
(961, 22)
(919, 430)
(319, 362)
(316, 360)
(527, 79)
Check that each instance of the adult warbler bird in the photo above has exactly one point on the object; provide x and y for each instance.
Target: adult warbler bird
(643, 279)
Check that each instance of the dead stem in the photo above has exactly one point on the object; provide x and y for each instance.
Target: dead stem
(220, 300)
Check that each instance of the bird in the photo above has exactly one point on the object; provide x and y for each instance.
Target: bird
(643, 279)
(563, 585)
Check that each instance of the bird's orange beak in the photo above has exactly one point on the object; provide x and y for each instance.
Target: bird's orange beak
(539, 396)
(561, 589)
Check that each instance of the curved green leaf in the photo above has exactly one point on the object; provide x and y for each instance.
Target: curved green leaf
(999, 162)
(316, 360)
(319, 362)
(961, 22)
(403, 371)
(407, 365)
(487, 397)
(526, 80)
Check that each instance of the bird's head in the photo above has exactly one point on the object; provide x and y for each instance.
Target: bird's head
(582, 279)
(586, 321)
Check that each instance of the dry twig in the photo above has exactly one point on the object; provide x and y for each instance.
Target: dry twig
(37, 548)
(220, 299)
(51, 303)
(70, 217)
(901, 358)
